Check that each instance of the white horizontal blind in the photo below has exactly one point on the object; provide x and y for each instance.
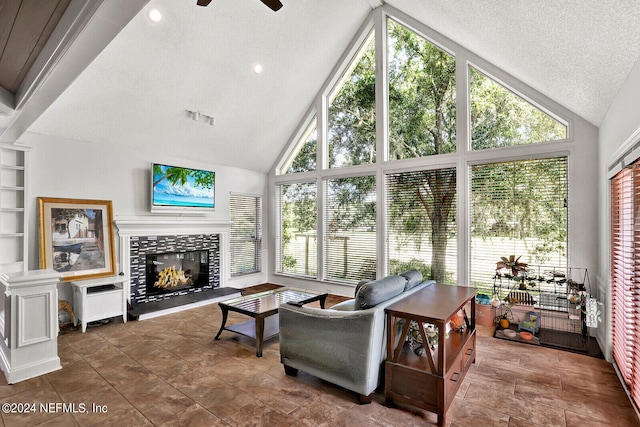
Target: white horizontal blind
(625, 275)
(421, 223)
(297, 231)
(350, 229)
(517, 208)
(245, 234)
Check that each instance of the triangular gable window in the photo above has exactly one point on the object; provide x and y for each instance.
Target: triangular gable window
(303, 158)
(500, 118)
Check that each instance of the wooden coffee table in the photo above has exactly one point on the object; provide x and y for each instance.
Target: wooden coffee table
(263, 308)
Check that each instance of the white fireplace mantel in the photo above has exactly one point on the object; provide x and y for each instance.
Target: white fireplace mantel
(157, 226)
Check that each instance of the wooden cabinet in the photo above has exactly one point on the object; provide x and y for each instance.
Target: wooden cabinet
(430, 382)
(13, 246)
(99, 299)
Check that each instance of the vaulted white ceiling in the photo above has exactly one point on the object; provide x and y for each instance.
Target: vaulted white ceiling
(135, 93)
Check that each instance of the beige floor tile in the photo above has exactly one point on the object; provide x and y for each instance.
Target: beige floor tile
(169, 371)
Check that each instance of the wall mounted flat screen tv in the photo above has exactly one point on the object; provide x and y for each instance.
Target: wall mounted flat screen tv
(179, 189)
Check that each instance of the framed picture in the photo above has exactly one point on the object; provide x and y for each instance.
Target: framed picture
(76, 237)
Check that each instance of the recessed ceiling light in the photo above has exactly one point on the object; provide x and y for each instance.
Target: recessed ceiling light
(258, 68)
(154, 15)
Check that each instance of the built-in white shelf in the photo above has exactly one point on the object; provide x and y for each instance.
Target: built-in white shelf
(13, 207)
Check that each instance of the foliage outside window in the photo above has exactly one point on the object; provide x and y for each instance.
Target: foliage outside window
(245, 234)
(500, 118)
(298, 246)
(350, 224)
(518, 208)
(351, 116)
(422, 96)
(304, 158)
(421, 227)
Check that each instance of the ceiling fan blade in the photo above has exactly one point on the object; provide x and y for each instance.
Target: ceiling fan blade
(272, 4)
(204, 2)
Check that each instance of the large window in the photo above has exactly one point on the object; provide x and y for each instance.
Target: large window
(350, 227)
(352, 112)
(625, 275)
(421, 223)
(422, 96)
(517, 208)
(467, 174)
(246, 234)
(297, 252)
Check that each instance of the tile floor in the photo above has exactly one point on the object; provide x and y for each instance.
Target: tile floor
(169, 371)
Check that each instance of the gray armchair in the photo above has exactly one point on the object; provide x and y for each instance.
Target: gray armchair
(345, 344)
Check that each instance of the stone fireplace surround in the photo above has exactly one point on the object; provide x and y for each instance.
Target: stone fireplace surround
(141, 235)
(141, 246)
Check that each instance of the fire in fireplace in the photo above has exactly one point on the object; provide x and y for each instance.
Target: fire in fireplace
(169, 272)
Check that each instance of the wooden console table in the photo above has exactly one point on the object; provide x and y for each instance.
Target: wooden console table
(430, 382)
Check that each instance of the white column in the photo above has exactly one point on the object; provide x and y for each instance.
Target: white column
(29, 324)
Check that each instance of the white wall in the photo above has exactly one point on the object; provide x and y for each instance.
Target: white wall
(83, 170)
(620, 123)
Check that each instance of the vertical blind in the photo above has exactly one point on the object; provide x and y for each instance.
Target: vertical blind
(517, 208)
(625, 275)
(421, 223)
(297, 237)
(350, 229)
(245, 234)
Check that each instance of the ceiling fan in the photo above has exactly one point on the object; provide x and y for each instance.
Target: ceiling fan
(272, 4)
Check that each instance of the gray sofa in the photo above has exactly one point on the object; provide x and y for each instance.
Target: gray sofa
(345, 344)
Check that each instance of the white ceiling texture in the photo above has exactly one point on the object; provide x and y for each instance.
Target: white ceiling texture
(135, 93)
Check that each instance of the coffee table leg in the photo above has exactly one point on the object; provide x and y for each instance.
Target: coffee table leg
(224, 322)
(259, 335)
(323, 298)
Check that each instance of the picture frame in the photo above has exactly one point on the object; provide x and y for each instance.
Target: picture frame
(76, 237)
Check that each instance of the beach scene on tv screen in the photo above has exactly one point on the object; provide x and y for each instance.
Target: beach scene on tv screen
(183, 187)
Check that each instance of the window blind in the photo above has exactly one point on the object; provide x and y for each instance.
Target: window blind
(517, 208)
(625, 275)
(350, 229)
(297, 234)
(421, 223)
(245, 234)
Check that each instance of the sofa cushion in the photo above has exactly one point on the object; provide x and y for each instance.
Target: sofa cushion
(414, 277)
(373, 293)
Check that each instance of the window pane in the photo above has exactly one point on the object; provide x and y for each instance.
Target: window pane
(352, 113)
(297, 234)
(303, 158)
(350, 249)
(422, 96)
(517, 208)
(421, 223)
(245, 234)
(500, 118)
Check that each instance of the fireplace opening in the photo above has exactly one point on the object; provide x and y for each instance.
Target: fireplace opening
(173, 271)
